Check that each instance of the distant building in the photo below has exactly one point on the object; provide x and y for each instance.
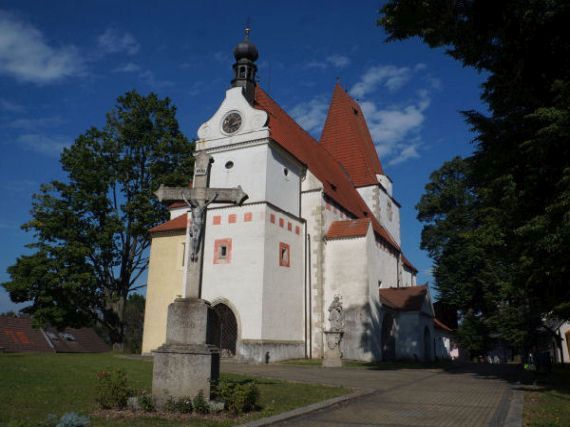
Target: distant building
(18, 336)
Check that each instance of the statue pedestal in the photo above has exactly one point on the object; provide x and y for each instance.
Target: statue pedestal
(333, 356)
(185, 364)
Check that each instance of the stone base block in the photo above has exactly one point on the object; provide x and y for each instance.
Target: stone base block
(183, 370)
(333, 355)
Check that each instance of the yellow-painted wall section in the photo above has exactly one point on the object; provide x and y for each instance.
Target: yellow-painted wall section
(163, 285)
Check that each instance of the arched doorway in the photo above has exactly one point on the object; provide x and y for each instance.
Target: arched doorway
(388, 339)
(427, 345)
(224, 330)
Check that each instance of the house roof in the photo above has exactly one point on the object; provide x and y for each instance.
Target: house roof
(348, 229)
(18, 336)
(347, 138)
(72, 340)
(178, 223)
(337, 184)
(410, 298)
(408, 264)
(440, 325)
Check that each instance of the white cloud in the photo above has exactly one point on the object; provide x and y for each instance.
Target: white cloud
(150, 79)
(389, 76)
(35, 123)
(10, 107)
(26, 56)
(409, 152)
(395, 129)
(311, 115)
(44, 144)
(146, 76)
(113, 41)
(339, 61)
(129, 67)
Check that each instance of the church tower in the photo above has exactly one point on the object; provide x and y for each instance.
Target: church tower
(245, 54)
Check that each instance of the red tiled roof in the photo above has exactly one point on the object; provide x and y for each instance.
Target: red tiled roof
(337, 184)
(347, 138)
(18, 336)
(72, 340)
(178, 223)
(408, 264)
(177, 204)
(405, 299)
(347, 229)
(440, 325)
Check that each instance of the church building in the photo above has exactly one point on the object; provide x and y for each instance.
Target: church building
(320, 221)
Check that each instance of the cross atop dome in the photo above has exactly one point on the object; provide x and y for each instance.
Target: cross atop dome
(245, 54)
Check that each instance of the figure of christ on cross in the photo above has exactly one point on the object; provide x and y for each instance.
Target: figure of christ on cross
(198, 198)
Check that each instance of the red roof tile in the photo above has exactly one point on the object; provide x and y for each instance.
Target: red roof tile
(440, 325)
(178, 223)
(405, 299)
(346, 136)
(337, 184)
(347, 229)
(18, 336)
(72, 340)
(408, 264)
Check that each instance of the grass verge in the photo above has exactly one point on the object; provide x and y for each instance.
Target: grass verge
(549, 405)
(34, 385)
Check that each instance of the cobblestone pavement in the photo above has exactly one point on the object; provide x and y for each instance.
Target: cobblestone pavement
(406, 397)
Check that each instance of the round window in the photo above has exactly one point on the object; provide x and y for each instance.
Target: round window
(229, 164)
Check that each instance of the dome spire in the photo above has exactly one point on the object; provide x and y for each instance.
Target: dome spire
(245, 54)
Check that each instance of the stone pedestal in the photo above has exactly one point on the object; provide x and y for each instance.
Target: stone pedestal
(185, 364)
(333, 356)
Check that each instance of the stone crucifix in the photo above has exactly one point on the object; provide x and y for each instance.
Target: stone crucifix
(198, 198)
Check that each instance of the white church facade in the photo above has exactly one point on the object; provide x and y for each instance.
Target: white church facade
(320, 220)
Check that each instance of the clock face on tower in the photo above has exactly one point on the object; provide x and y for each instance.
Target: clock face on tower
(232, 122)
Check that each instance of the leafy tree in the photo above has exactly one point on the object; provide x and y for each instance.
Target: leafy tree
(134, 320)
(520, 171)
(91, 231)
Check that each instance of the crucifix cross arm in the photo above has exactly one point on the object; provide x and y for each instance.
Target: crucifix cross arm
(202, 195)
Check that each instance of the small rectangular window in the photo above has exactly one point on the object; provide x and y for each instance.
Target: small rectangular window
(222, 251)
(284, 255)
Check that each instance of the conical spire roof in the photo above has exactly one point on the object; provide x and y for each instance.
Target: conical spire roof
(347, 138)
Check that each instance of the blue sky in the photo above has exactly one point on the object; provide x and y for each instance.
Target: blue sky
(64, 63)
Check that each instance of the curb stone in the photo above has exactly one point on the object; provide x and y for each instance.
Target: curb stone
(294, 413)
(515, 412)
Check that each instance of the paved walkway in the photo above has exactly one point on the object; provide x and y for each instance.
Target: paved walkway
(406, 397)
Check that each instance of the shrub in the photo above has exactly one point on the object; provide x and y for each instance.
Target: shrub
(112, 389)
(238, 397)
(201, 404)
(146, 402)
(182, 405)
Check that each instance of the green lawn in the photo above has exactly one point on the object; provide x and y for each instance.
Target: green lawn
(551, 405)
(35, 385)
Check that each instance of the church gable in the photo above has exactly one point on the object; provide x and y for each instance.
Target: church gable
(235, 121)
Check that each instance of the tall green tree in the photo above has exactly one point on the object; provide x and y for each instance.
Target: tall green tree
(520, 171)
(91, 230)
